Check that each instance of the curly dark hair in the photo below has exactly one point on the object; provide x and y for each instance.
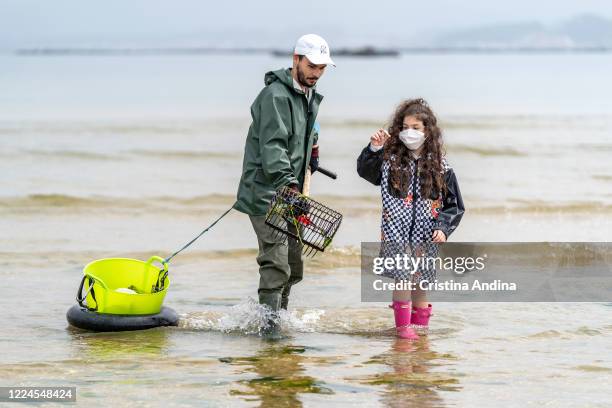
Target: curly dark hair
(399, 156)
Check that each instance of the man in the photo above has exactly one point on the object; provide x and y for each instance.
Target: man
(280, 145)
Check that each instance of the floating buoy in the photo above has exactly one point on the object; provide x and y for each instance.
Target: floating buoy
(101, 322)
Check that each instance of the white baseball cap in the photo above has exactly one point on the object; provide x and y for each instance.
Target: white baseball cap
(314, 48)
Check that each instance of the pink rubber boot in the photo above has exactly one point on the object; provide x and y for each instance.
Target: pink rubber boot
(420, 315)
(402, 312)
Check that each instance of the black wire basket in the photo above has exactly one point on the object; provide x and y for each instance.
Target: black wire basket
(295, 215)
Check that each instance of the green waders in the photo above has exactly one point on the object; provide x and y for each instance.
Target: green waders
(280, 265)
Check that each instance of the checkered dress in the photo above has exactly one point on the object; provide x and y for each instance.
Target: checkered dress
(407, 225)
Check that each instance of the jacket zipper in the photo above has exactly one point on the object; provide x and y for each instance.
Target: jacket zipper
(307, 135)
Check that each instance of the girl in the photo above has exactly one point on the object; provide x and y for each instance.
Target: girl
(421, 201)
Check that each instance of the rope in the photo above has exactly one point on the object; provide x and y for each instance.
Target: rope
(199, 235)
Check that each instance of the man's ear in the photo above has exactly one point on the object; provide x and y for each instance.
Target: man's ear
(296, 59)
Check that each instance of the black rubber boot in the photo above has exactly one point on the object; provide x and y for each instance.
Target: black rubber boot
(273, 301)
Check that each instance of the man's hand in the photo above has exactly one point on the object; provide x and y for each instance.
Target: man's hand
(314, 158)
(298, 204)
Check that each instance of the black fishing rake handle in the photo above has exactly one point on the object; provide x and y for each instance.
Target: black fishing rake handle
(328, 173)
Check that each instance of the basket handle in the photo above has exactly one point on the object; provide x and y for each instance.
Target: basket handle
(158, 259)
(80, 299)
(161, 278)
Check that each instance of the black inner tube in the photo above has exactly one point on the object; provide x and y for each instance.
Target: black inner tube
(84, 319)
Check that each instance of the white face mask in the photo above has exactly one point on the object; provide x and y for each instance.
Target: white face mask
(412, 138)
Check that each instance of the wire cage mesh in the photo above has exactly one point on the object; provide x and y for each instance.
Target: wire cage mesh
(295, 215)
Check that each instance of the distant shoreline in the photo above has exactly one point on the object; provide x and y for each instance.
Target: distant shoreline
(361, 52)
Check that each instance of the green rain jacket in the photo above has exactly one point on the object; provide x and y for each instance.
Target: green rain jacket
(279, 142)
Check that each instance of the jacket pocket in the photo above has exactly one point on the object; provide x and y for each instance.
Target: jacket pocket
(296, 147)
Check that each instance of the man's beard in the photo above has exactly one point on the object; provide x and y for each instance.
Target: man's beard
(302, 78)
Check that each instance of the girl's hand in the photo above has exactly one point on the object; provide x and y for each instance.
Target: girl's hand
(379, 138)
(438, 236)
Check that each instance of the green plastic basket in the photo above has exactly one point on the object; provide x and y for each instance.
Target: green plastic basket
(124, 286)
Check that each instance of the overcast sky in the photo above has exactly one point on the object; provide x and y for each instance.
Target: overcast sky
(30, 23)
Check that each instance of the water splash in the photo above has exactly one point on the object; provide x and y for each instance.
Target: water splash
(250, 318)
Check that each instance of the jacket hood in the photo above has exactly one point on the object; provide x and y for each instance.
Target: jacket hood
(283, 75)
